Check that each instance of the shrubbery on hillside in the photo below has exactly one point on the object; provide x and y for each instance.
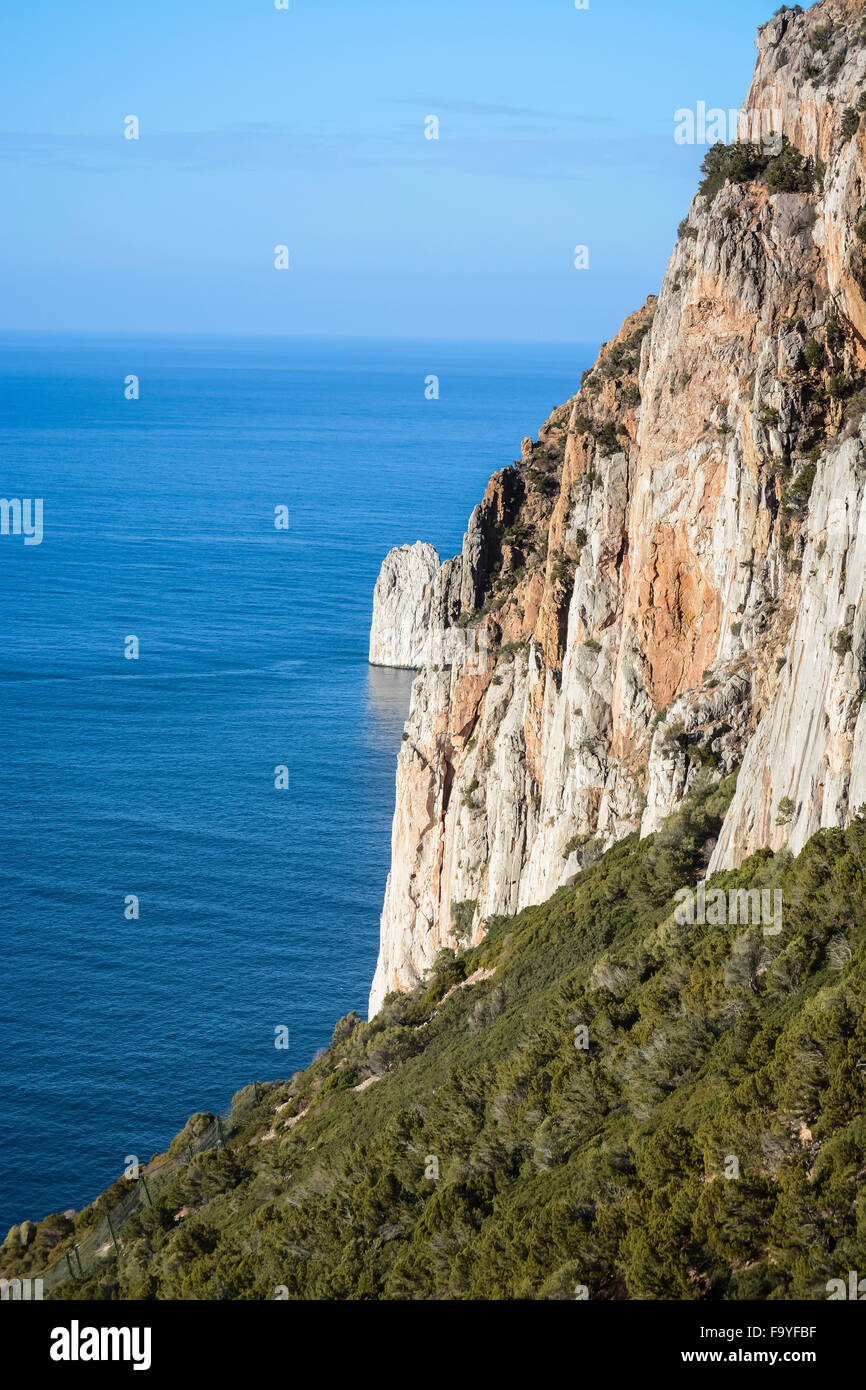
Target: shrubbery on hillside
(647, 1109)
(747, 162)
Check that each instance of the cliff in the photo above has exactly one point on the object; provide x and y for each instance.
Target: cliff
(670, 580)
(401, 606)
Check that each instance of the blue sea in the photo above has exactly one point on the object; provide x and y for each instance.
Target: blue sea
(258, 907)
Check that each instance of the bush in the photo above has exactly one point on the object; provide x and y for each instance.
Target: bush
(838, 386)
(561, 571)
(544, 483)
(821, 37)
(606, 437)
(833, 331)
(747, 162)
(850, 122)
(462, 914)
(799, 492)
(741, 162)
(788, 172)
(813, 354)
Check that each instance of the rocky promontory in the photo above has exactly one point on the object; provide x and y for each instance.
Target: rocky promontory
(668, 584)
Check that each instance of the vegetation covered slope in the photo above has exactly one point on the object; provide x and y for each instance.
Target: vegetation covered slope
(558, 1166)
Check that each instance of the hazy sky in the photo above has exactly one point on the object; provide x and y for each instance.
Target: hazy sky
(305, 127)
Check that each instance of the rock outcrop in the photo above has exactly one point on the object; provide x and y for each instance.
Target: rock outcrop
(400, 629)
(669, 582)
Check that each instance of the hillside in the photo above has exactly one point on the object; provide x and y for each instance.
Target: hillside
(607, 1166)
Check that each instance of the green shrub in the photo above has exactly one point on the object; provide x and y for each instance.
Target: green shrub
(740, 162)
(813, 354)
(544, 483)
(462, 915)
(833, 331)
(561, 571)
(850, 122)
(821, 37)
(838, 386)
(606, 437)
(747, 162)
(800, 490)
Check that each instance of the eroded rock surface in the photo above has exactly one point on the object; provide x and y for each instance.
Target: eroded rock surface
(669, 582)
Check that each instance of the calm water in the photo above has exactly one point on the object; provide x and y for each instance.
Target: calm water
(258, 907)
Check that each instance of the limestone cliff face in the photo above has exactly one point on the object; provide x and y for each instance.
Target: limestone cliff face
(401, 606)
(669, 582)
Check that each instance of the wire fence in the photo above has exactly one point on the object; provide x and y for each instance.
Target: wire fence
(152, 1179)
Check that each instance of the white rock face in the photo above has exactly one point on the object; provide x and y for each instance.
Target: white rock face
(671, 580)
(400, 628)
(809, 751)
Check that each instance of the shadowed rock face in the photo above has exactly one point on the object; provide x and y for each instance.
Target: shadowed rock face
(670, 580)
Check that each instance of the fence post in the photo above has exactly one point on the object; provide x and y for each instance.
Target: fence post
(146, 1190)
(78, 1258)
(69, 1262)
(111, 1229)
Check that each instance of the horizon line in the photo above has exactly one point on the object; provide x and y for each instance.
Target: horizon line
(283, 337)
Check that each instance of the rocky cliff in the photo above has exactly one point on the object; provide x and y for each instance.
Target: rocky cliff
(669, 582)
(401, 606)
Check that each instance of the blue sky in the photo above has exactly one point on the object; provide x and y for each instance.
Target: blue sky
(306, 128)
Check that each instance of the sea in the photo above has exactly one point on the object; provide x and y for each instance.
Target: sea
(196, 760)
